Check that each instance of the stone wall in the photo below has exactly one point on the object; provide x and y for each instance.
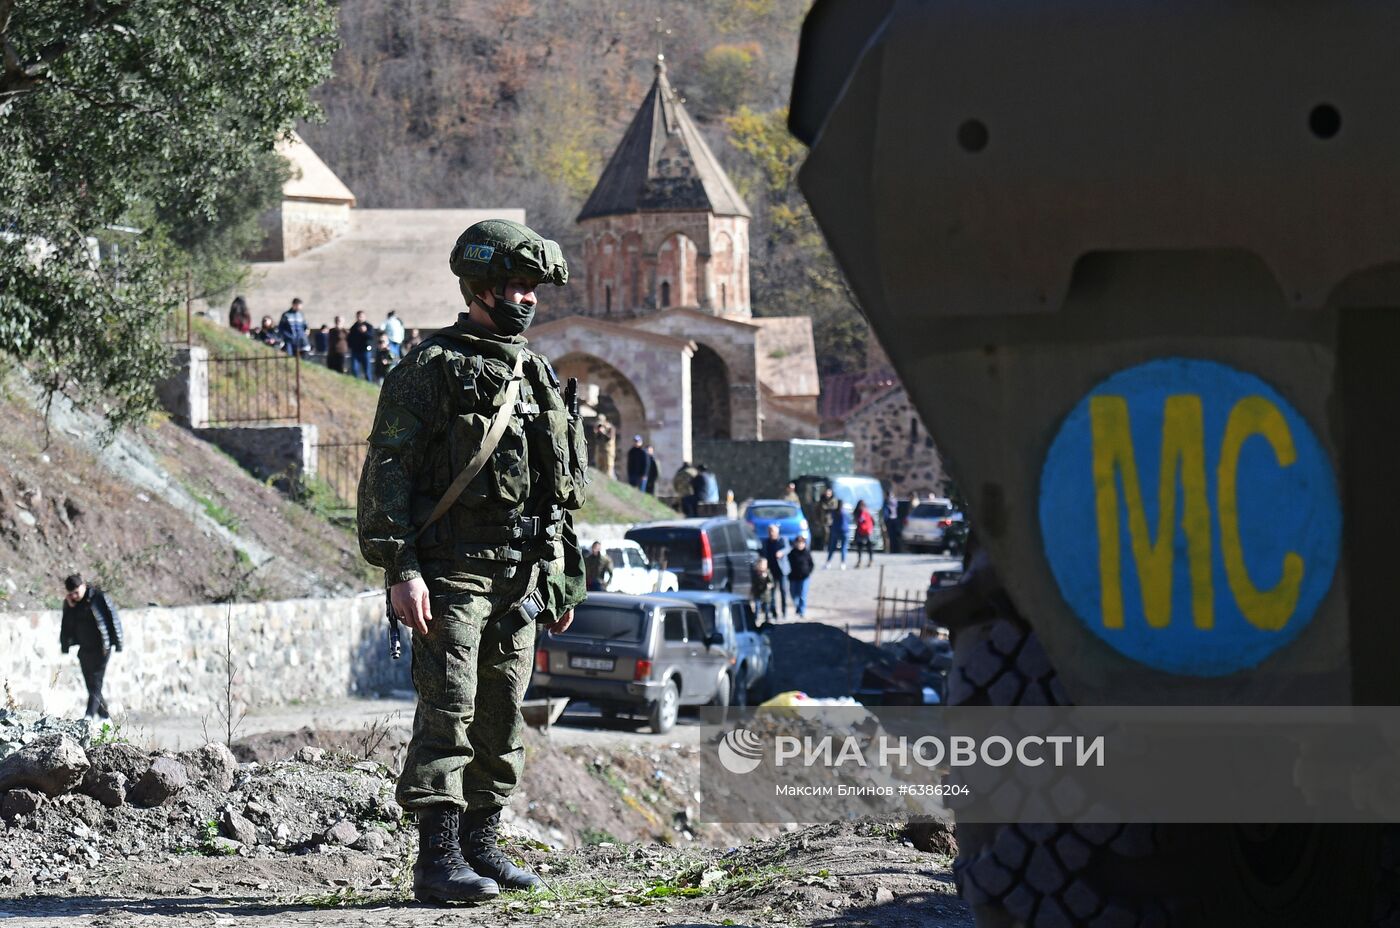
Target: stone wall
(653, 368)
(892, 444)
(269, 450)
(626, 259)
(732, 344)
(185, 393)
(309, 650)
(294, 227)
(761, 469)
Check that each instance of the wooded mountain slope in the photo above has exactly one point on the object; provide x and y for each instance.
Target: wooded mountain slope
(442, 103)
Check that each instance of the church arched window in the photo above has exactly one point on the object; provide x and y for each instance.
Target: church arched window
(607, 300)
(665, 293)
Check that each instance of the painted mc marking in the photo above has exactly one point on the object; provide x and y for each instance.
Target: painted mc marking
(1183, 456)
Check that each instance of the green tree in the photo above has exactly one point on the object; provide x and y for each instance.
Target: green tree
(137, 139)
(794, 271)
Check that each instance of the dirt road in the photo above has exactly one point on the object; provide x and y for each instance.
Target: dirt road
(844, 600)
(824, 876)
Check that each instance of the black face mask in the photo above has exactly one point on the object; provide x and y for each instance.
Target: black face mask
(510, 318)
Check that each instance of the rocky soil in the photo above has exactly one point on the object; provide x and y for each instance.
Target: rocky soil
(108, 834)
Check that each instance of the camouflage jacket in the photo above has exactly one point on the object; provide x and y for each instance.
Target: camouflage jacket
(435, 409)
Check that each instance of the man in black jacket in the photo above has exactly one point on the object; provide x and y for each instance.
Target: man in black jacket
(637, 463)
(91, 622)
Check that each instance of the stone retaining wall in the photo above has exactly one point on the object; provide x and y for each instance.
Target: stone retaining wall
(269, 450)
(308, 650)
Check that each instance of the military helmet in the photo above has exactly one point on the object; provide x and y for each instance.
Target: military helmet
(492, 251)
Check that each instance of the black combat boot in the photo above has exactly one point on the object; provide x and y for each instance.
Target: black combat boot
(481, 847)
(440, 874)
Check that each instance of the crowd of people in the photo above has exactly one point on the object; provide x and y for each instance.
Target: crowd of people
(360, 349)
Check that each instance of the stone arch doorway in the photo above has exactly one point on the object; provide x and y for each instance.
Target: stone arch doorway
(618, 398)
(711, 416)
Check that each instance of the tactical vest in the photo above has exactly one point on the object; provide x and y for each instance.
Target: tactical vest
(512, 512)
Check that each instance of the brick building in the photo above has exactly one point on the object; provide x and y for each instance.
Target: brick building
(666, 332)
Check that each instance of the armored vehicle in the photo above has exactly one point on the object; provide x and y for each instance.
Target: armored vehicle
(1138, 265)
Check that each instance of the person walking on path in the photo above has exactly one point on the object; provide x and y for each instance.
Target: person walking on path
(894, 530)
(597, 569)
(761, 590)
(773, 549)
(865, 530)
(800, 567)
(361, 341)
(474, 532)
(91, 622)
(835, 531)
(393, 330)
(339, 348)
(827, 504)
(636, 463)
(790, 494)
(292, 328)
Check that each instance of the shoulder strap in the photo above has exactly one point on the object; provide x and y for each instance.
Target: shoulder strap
(488, 445)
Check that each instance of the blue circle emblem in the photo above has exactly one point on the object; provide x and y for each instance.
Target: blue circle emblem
(1190, 516)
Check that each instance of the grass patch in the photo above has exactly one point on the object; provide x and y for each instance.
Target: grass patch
(218, 512)
(695, 880)
(595, 836)
(610, 501)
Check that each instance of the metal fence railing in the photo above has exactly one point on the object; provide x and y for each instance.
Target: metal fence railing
(178, 327)
(899, 612)
(338, 465)
(254, 389)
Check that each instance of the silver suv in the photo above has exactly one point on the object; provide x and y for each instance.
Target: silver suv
(636, 654)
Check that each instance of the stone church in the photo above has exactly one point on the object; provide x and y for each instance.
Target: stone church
(665, 341)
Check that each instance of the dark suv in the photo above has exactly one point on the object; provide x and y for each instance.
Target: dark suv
(706, 554)
(637, 653)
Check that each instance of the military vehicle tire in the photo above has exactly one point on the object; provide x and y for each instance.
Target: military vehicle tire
(664, 711)
(1029, 875)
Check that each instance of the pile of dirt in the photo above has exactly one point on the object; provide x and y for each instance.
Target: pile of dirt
(300, 839)
(569, 797)
(820, 660)
(70, 807)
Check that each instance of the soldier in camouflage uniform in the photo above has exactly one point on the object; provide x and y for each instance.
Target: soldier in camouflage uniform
(476, 461)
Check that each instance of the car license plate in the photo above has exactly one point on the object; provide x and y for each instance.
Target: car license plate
(590, 663)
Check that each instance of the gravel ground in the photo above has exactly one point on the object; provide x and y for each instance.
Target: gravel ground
(823, 876)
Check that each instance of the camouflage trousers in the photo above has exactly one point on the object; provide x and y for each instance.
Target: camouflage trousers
(471, 671)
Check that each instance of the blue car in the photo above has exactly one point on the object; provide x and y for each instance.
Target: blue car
(762, 513)
(733, 617)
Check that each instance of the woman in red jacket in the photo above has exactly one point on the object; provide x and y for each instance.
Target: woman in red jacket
(865, 527)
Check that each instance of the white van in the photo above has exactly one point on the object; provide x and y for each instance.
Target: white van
(632, 573)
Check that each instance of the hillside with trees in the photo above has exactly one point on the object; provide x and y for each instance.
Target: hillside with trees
(520, 103)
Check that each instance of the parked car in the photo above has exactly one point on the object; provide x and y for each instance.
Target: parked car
(933, 525)
(713, 553)
(646, 654)
(848, 488)
(761, 513)
(734, 617)
(632, 572)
